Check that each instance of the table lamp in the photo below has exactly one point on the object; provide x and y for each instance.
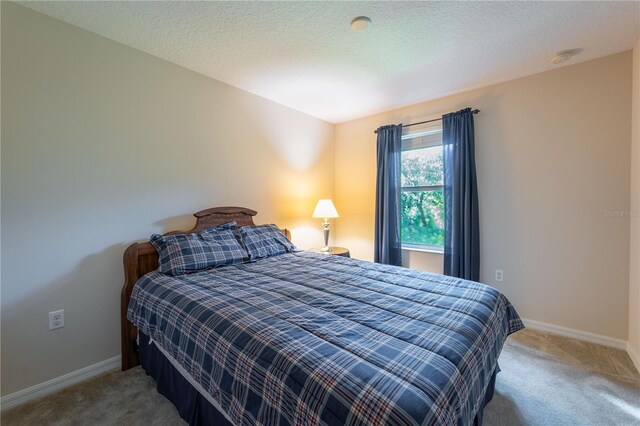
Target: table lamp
(325, 210)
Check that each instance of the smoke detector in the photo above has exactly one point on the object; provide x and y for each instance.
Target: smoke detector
(564, 56)
(360, 24)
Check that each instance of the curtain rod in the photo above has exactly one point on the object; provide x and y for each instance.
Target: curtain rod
(475, 111)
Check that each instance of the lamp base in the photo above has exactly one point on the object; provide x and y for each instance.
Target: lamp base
(326, 248)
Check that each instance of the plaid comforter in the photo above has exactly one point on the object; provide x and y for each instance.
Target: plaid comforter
(311, 339)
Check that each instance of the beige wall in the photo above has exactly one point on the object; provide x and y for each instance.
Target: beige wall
(103, 145)
(634, 270)
(552, 156)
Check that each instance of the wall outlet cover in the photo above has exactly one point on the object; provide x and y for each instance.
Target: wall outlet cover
(56, 319)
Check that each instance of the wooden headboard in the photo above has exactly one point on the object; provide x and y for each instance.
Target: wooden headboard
(142, 258)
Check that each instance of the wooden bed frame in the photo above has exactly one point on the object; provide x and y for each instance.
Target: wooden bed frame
(142, 258)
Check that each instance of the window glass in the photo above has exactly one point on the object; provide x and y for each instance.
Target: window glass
(422, 199)
(422, 167)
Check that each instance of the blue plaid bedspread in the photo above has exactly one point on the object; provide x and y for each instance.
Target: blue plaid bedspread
(311, 339)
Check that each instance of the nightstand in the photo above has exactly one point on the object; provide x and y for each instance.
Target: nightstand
(337, 251)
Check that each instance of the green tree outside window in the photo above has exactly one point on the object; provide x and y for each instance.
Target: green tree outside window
(422, 210)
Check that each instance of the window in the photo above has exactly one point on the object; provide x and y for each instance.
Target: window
(422, 199)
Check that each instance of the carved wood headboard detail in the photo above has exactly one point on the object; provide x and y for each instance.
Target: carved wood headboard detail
(142, 258)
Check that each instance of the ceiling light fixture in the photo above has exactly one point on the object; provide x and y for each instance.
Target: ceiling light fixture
(564, 56)
(360, 24)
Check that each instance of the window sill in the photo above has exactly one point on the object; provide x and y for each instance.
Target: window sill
(433, 250)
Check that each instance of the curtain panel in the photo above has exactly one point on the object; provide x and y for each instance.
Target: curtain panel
(462, 228)
(387, 244)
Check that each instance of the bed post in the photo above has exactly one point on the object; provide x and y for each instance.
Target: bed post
(128, 332)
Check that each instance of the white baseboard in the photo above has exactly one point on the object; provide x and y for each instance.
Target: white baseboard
(58, 383)
(576, 334)
(635, 356)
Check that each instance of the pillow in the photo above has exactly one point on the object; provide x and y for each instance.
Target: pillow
(228, 225)
(264, 241)
(183, 253)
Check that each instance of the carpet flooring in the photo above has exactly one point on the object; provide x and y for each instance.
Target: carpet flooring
(545, 380)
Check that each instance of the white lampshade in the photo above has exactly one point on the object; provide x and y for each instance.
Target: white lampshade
(325, 210)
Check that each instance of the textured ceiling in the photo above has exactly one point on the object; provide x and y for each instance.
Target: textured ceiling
(304, 54)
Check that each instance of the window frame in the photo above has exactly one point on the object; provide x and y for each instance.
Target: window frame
(430, 142)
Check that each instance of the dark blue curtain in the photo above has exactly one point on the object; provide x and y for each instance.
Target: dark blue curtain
(461, 227)
(388, 247)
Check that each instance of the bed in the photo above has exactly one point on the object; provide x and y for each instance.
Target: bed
(309, 339)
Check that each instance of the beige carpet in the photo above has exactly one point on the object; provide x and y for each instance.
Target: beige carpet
(554, 381)
(545, 380)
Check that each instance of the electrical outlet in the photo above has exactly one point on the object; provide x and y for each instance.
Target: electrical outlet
(56, 319)
(499, 275)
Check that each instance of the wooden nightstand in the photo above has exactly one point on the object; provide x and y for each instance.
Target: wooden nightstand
(337, 251)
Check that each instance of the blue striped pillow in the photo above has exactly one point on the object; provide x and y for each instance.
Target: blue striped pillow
(184, 253)
(264, 241)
